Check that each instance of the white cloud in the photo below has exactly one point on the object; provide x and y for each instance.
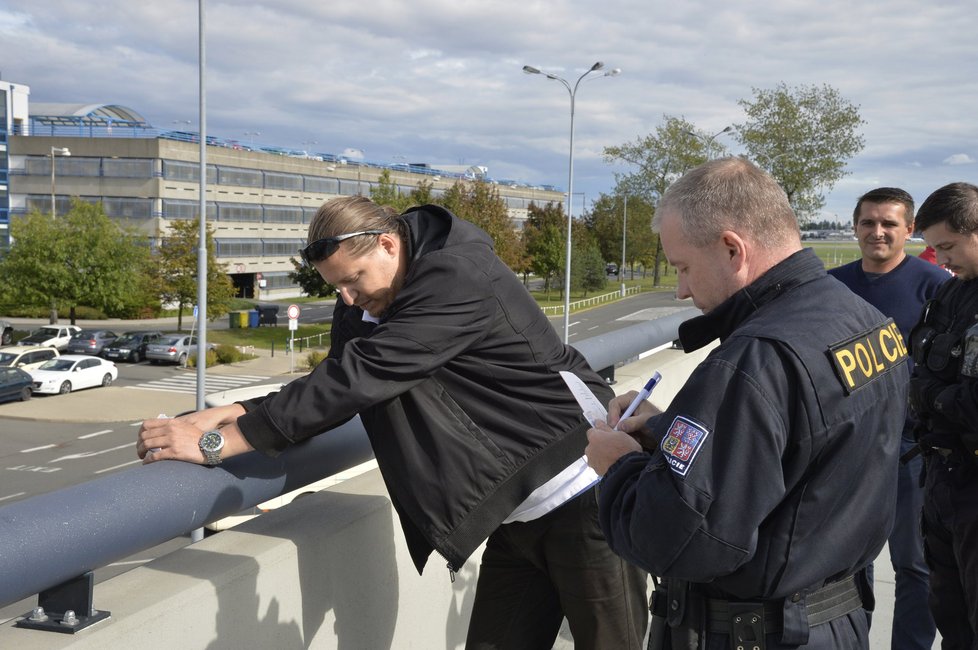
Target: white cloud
(958, 159)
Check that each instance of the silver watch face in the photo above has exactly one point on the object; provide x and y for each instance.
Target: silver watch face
(212, 441)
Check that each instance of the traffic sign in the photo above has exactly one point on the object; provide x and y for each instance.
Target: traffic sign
(293, 312)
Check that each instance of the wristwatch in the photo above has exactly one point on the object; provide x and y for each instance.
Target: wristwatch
(211, 444)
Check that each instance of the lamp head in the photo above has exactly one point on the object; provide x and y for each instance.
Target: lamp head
(597, 66)
(529, 69)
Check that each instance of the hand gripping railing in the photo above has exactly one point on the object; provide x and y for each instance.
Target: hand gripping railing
(55, 539)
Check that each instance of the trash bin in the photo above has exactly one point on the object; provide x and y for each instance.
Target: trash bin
(254, 318)
(234, 321)
(243, 319)
(268, 314)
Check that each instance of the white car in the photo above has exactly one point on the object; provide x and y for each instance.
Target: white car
(51, 336)
(72, 372)
(26, 357)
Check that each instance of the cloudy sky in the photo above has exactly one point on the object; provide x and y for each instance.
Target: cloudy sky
(440, 81)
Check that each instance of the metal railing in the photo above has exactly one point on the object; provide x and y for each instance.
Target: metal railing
(53, 538)
(590, 302)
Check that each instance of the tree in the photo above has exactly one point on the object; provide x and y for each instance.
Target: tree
(803, 136)
(176, 265)
(386, 192)
(587, 263)
(479, 202)
(543, 241)
(660, 158)
(309, 279)
(640, 242)
(83, 258)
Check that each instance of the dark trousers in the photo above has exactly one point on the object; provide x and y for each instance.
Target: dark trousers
(913, 624)
(951, 549)
(534, 574)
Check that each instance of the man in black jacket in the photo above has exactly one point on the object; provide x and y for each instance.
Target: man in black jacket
(944, 394)
(766, 486)
(454, 371)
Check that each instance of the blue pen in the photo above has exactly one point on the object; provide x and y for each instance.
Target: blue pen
(641, 397)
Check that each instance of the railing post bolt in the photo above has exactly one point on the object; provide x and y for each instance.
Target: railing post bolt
(70, 618)
(38, 615)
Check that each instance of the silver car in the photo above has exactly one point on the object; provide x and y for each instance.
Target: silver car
(172, 348)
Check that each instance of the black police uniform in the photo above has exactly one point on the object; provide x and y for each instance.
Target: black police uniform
(773, 484)
(944, 393)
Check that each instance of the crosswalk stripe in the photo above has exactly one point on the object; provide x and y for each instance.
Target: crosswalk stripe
(189, 384)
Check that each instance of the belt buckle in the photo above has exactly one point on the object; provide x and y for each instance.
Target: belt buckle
(747, 625)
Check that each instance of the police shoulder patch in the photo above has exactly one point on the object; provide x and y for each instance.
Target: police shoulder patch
(868, 355)
(682, 442)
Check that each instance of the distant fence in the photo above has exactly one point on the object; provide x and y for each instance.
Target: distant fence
(590, 302)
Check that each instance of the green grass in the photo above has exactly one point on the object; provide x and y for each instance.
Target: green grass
(837, 253)
(265, 337)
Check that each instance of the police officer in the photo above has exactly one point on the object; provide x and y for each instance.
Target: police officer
(944, 393)
(765, 488)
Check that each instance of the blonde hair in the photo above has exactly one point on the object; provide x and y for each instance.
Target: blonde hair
(353, 214)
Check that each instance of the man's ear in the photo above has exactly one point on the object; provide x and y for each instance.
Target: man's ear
(735, 249)
(390, 242)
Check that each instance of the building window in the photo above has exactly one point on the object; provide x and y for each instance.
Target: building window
(131, 208)
(278, 280)
(127, 167)
(238, 247)
(238, 212)
(282, 247)
(179, 170)
(280, 181)
(187, 209)
(283, 214)
(239, 176)
(320, 185)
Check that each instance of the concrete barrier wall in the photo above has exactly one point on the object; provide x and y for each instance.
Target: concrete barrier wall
(330, 570)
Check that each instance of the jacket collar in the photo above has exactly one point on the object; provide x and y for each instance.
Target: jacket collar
(800, 268)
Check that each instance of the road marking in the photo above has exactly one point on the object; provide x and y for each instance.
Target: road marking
(109, 469)
(12, 496)
(188, 383)
(92, 435)
(577, 322)
(87, 454)
(27, 451)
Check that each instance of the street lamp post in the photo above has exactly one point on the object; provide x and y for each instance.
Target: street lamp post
(624, 229)
(56, 151)
(709, 139)
(528, 69)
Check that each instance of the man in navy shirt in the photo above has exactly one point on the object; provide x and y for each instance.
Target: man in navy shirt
(898, 285)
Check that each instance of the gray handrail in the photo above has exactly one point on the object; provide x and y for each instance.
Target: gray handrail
(48, 539)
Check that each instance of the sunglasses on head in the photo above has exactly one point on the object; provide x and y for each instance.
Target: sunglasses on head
(320, 249)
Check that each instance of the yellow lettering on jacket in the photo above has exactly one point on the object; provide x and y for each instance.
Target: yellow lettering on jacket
(868, 356)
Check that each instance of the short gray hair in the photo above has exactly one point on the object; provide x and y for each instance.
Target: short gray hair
(730, 194)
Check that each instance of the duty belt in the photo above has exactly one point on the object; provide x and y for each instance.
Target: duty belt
(747, 622)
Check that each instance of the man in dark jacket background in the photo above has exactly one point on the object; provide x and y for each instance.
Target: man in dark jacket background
(767, 485)
(454, 371)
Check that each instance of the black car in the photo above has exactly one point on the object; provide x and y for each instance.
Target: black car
(611, 268)
(131, 346)
(14, 384)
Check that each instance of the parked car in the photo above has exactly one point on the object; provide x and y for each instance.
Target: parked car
(73, 372)
(18, 356)
(15, 384)
(172, 348)
(90, 341)
(131, 346)
(611, 268)
(51, 336)
(6, 332)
